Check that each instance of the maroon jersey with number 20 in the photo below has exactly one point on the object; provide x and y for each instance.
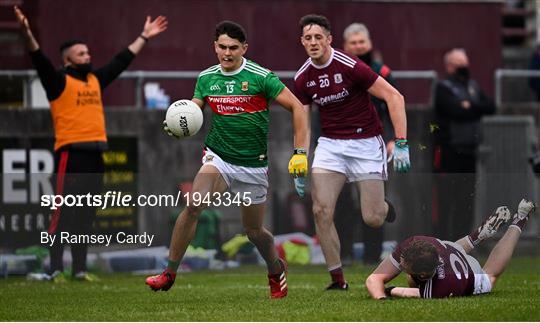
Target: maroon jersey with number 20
(454, 276)
(339, 88)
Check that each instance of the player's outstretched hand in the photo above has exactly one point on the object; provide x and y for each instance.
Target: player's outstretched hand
(402, 162)
(155, 27)
(168, 131)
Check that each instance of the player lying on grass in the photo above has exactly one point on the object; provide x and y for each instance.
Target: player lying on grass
(437, 269)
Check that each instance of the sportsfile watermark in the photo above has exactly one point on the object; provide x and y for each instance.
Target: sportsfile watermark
(120, 199)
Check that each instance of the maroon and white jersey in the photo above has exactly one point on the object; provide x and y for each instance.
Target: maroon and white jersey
(339, 88)
(454, 276)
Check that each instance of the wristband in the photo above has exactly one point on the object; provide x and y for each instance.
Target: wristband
(300, 151)
(143, 38)
(400, 141)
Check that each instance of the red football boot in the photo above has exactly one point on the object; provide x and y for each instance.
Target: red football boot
(278, 282)
(163, 281)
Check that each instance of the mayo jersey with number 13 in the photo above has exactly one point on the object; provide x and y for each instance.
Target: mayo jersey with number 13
(239, 101)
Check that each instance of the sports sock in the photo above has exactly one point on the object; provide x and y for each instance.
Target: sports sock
(276, 268)
(469, 240)
(337, 275)
(173, 265)
(519, 223)
(473, 238)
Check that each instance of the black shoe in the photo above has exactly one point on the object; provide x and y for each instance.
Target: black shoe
(338, 286)
(391, 215)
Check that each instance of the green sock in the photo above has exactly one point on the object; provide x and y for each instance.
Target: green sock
(173, 265)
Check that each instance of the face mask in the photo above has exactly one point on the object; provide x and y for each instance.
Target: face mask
(83, 68)
(367, 58)
(463, 72)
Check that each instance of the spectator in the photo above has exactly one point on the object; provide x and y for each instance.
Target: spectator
(534, 82)
(460, 103)
(74, 93)
(357, 42)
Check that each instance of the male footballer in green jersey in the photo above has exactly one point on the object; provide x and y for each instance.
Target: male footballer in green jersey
(235, 156)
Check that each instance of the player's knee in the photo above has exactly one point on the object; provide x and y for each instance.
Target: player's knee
(254, 234)
(370, 283)
(193, 211)
(374, 219)
(369, 280)
(322, 213)
(321, 210)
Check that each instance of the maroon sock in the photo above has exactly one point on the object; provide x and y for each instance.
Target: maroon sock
(337, 275)
(473, 238)
(520, 223)
(277, 267)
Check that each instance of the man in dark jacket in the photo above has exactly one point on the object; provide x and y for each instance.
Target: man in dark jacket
(460, 103)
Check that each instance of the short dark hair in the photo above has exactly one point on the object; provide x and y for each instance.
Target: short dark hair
(231, 29)
(421, 256)
(312, 19)
(68, 43)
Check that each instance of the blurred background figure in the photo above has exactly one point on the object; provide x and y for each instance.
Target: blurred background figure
(534, 82)
(460, 103)
(357, 42)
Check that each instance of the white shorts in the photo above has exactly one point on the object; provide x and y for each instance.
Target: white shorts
(482, 284)
(357, 159)
(248, 182)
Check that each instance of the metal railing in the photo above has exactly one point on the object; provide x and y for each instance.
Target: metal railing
(502, 73)
(141, 76)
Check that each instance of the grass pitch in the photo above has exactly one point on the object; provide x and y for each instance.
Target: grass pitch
(242, 295)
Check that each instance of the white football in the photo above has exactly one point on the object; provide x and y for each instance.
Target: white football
(184, 118)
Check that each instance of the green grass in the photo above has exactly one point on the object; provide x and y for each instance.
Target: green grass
(242, 295)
